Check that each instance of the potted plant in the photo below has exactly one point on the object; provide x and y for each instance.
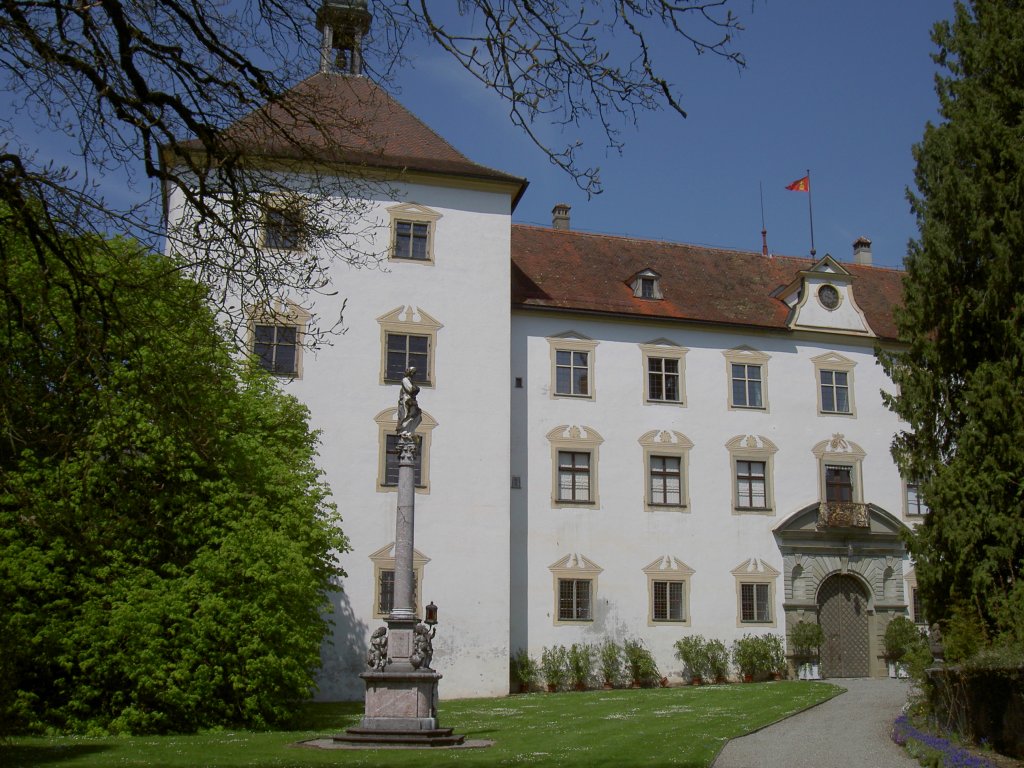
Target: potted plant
(744, 656)
(901, 637)
(525, 670)
(581, 665)
(610, 657)
(759, 656)
(640, 664)
(806, 639)
(692, 651)
(718, 660)
(774, 654)
(554, 666)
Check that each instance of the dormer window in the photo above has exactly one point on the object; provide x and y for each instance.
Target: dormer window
(647, 285)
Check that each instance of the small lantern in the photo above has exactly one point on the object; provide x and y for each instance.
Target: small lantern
(431, 611)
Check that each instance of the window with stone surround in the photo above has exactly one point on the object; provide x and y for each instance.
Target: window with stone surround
(412, 233)
(755, 593)
(834, 375)
(387, 466)
(666, 467)
(572, 365)
(840, 478)
(575, 580)
(664, 372)
(276, 337)
(408, 338)
(752, 460)
(668, 591)
(284, 219)
(914, 505)
(383, 561)
(574, 461)
(747, 371)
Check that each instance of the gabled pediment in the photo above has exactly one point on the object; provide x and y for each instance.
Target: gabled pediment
(571, 336)
(804, 524)
(755, 566)
(826, 265)
(386, 554)
(663, 342)
(575, 433)
(648, 272)
(576, 563)
(668, 565)
(665, 438)
(413, 211)
(751, 443)
(409, 315)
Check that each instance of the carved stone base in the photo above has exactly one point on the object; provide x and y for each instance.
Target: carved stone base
(401, 710)
(400, 701)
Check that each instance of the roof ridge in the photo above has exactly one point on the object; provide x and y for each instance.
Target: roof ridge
(724, 249)
(632, 238)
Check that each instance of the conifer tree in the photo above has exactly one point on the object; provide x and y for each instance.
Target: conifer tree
(961, 379)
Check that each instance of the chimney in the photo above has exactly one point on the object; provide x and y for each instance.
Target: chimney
(862, 251)
(560, 216)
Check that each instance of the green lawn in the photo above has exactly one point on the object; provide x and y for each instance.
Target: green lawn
(659, 727)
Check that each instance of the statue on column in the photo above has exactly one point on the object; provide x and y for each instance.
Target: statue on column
(423, 648)
(377, 658)
(409, 413)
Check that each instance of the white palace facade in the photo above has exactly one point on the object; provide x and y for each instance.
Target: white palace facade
(621, 438)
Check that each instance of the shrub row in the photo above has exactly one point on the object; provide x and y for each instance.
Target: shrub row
(583, 665)
(753, 656)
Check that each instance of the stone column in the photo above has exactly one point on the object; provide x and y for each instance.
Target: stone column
(404, 607)
(401, 691)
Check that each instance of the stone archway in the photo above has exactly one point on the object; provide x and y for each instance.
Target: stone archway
(846, 573)
(843, 614)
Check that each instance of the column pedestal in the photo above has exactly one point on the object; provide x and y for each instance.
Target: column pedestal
(400, 701)
(401, 690)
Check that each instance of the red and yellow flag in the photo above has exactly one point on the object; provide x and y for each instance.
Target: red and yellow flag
(800, 185)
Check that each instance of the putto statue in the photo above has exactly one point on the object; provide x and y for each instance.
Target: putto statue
(377, 658)
(422, 647)
(409, 414)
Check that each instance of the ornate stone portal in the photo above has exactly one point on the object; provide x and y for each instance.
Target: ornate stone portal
(843, 568)
(401, 688)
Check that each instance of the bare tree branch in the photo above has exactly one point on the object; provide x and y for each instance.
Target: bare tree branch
(147, 89)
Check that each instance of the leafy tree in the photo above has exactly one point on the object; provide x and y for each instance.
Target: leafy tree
(125, 83)
(166, 540)
(961, 378)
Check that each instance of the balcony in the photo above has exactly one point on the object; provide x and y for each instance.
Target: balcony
(842, 514)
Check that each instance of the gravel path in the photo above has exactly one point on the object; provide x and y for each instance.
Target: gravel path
(851, 730)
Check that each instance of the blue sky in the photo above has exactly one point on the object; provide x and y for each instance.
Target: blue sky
(841, 87)
(838, 87)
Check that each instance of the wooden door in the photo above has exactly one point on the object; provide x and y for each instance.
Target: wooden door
(843, 614)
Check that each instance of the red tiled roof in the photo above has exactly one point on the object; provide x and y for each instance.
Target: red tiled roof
(342, 118)
(564, 269)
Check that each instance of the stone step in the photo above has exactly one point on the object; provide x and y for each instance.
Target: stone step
(438, 737)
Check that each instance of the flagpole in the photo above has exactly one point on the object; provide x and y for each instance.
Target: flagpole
(810, 211)
(764, 230)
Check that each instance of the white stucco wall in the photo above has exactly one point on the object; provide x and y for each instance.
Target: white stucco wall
(618, 534)
(462, 523)
(489, 547)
